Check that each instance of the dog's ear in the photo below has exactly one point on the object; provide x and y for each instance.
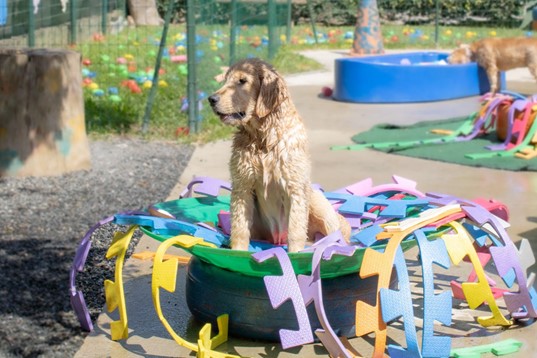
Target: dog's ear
(272, 91)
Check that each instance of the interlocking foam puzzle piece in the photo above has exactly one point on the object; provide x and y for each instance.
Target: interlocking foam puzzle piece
(484, 257)
(435, 306)
(358, 205)
(366, 188)
(205, 186)
(114, 292)
(507, 346)
(206, 344)
(429, 217)
(368, 317)
(224, 221)
(367, 236)
(159, 223)
(395, 304)
(165, 276)
(283, 288)
(506, 259)
(460, 245)
(311, 289)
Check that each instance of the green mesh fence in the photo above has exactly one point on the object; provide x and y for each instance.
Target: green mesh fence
(120, 44)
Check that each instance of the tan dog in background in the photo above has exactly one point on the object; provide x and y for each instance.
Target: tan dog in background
(498, 54)
(270, 166)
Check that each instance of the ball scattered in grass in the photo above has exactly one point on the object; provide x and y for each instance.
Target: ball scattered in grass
(114, 98)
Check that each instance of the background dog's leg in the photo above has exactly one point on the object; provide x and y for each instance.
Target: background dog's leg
(242, 216)
(493, 74)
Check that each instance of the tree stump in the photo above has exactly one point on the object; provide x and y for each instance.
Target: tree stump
(144, 12)
(42, 124)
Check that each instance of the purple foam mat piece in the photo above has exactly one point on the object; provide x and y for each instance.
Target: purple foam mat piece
(517, 105)
(506, 259)
(366, 188)
(224, 221)
(395, 304)
(358, 205)
(283, 288)
(205, 186)
(311, 288)
(436, 307)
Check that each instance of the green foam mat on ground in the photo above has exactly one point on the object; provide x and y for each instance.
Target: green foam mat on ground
(451, 152)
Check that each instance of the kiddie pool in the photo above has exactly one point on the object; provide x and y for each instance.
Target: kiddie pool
(387, 79)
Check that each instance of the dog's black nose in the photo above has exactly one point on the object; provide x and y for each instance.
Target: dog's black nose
(214, 99)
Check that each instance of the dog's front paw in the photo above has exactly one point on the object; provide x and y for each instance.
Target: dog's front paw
(239, 244)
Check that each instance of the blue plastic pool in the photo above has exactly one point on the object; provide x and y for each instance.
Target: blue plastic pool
(407, 77)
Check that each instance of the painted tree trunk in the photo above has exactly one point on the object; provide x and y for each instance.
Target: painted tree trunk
(144, 13)
(42, 125)
(367, 35)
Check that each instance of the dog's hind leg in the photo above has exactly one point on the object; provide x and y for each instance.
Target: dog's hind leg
(324, 219)
(297, 234)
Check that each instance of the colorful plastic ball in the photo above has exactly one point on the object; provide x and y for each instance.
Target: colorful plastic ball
(85, 72)
(113, 90)
(114, 98)
(162, 83)
(326, 91)
(86, 82)
(105, 58)
(178, 58)
(121, 60)
(147, 84)
(98, 92)
(93, 86)
(492, 33)
(348, 35)
(86, 62)
(183, 69)
(128, 57)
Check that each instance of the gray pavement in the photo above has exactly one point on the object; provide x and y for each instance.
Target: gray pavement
(332, 123)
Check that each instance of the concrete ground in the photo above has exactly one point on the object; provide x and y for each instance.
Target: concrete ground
(333, 123)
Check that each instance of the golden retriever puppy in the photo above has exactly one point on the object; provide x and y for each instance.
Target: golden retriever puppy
(498, 54)
(270, 167)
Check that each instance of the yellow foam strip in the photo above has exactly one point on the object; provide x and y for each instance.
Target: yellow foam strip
(114, 292)
(165, 276)
(460, 245)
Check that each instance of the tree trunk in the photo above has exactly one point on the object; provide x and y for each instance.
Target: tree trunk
(367, 35)
(144, 12)
(42, 125)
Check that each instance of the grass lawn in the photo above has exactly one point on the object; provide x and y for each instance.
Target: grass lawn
(118, 70)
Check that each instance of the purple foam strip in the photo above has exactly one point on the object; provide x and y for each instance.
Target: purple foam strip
(205, 186)
(311, 288)
(519, 105)
(366, 188)
(283, 288)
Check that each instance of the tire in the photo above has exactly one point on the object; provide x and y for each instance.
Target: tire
(212, 291)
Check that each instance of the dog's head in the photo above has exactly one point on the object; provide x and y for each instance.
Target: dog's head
(461, 55)
(251, 89)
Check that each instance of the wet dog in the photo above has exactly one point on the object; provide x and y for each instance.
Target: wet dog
(270, 166)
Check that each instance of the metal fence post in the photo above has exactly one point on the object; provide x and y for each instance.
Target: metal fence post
(436, 23)
(72, 25)
(289, 20)
(104, 17)
(233, 32)
(31, 24)
(191, 55)
(312, 21)
(271, 29)
(154, 85)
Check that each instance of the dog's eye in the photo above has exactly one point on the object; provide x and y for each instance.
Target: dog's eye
(242, 81)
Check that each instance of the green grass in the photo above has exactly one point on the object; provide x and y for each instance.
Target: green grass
(123, 114)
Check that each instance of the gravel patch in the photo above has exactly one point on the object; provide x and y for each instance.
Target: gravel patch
(42, 220)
